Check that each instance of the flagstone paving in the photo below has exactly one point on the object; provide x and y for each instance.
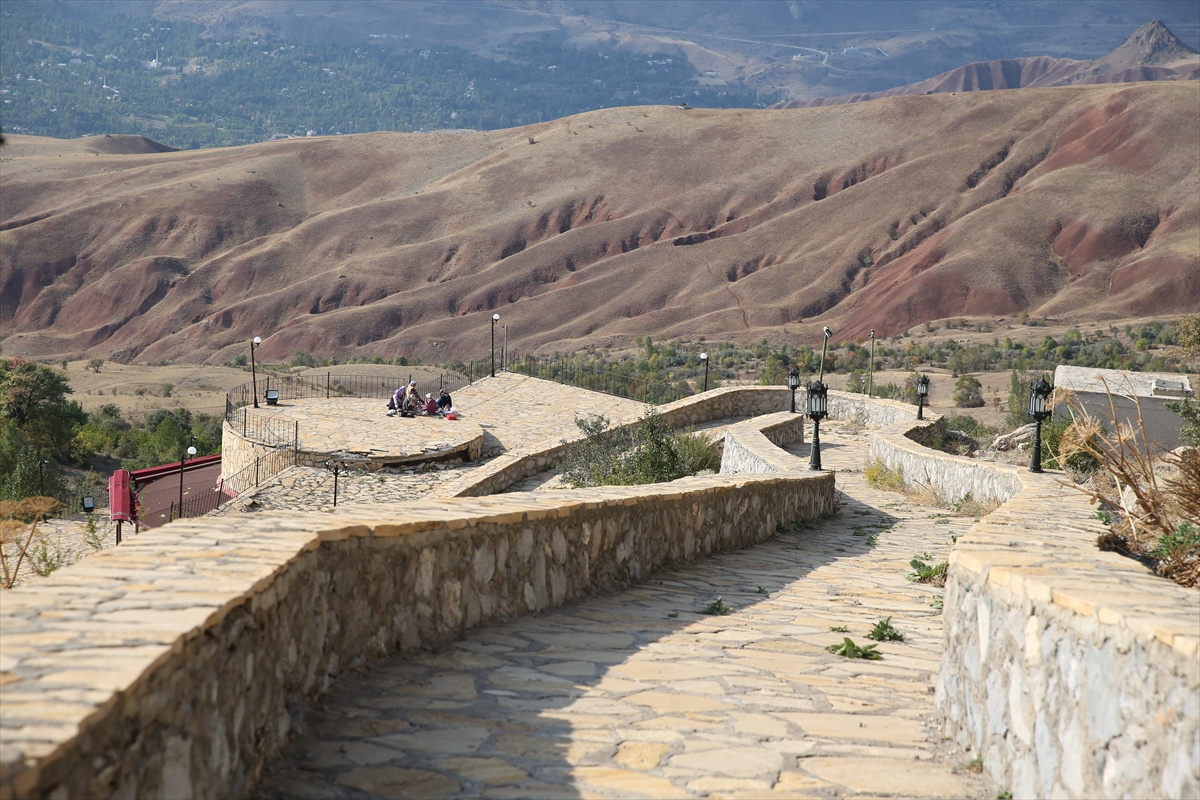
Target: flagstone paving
(644, 694)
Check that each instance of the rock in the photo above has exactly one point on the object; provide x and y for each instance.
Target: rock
(1021, 435)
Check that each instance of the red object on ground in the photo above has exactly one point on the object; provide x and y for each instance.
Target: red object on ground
(120, 501)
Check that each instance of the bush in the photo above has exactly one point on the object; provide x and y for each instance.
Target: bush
(647, 453)
(1018, 400)
(968, 392)
(967, 424)
(880, 476)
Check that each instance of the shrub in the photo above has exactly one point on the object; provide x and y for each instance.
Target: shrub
(968, 392)
(95, 365)
(695, 452)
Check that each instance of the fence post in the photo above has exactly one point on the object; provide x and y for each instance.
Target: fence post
(256, 461)
(296, 436)
(326, 385)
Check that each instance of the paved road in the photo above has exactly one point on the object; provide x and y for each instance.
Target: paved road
(643, 694)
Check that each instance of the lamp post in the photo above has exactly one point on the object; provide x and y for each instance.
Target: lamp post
(257, 340)
(871, 374)
(824, 347)
(704, 358)
(794, 384)
(495, 319)
(191, 451)
(816, 403)
(922, 393)
(1039, 394)
(504, 352)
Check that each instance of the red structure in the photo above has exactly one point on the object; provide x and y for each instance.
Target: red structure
(120, 499)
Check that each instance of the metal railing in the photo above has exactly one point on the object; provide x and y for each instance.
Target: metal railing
(251, 476)
(634, 387)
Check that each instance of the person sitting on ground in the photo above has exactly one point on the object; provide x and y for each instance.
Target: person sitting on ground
(430, 405)
(443, 401)
(396, 402)
(412, 398)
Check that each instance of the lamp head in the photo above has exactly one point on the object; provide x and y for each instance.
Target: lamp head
(495, 317)
(794, 378)
(704, 356)
(191, 451)
(922, 386)
(89, 504)
(871, 335)
(828, 332)
(816, 400)
(257, 340)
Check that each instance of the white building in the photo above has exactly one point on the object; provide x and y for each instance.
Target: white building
(1152, 390)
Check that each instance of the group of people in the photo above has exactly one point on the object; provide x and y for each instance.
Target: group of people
(407, 402)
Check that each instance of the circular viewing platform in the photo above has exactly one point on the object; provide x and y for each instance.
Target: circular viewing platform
(359, 430)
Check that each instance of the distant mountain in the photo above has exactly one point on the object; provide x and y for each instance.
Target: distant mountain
(733, 224)
(1151, 53)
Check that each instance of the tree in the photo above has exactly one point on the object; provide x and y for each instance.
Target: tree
(95, 364)
(34, 398)
(1187, 336)
(968, 392)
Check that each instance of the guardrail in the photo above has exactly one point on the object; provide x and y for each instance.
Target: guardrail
(634, 387)
(252, 475)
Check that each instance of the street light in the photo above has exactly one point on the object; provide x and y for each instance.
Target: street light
(816, 404)
(191, 451)
(257, 340)
(922, 393)
(1039, 393)
(88, 504)
(824, 347)
(871, 376)
(794, 384)
(704, 358)
(495, 319)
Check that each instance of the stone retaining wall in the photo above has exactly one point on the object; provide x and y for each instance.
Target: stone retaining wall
(723, 403)
(1069, 671)
(755, 446)
(177, 664)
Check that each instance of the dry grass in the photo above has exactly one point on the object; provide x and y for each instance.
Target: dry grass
(1156, 521)
(20, 544)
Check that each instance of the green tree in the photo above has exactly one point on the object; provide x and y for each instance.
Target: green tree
(34, 398)
(968, 392)
(1018, 400)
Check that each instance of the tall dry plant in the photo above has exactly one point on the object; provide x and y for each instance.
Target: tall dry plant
(1125, 456)
(18, 528)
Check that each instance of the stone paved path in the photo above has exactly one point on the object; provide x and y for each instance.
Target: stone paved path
(510, 417)
(643, 694)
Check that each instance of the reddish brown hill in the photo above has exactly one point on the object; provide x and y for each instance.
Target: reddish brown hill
(614, 224)
(1151, 53)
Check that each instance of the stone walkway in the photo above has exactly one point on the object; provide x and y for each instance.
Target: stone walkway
(644, 694)
(511, 419)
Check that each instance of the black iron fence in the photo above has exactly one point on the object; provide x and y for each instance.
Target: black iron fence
(298, 387)
(635, 387)
(262, 469)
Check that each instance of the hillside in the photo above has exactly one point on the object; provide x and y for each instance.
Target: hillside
(1151, 53)
(733, 224)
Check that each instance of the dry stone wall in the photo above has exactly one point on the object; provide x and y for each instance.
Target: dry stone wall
(178, 664)
(1069, 671)
(755, 445)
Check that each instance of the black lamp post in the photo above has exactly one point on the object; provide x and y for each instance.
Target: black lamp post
(191, 451)
(257, 340)
(794, 384)
(871, 375)
(817, 404)
(922, 393)
(337, 468)
(504, 352)
(824, 347)
(1039, 409)
(495, 319)
(704, 358)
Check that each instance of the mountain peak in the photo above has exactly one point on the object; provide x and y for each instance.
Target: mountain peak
(1153, 44)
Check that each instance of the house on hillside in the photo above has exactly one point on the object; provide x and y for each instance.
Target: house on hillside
(1153, 390)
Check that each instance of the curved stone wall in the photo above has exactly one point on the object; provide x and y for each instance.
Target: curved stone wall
(1068, 671)
(184, 679)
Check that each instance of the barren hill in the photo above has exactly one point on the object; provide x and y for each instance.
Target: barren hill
(1151, 53)
(618, 223)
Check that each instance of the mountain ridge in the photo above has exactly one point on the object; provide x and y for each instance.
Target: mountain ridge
(606, 226)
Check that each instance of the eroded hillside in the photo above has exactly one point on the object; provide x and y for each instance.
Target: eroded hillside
(609, 225)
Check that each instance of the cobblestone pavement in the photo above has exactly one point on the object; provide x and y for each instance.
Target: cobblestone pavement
(644, 694)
